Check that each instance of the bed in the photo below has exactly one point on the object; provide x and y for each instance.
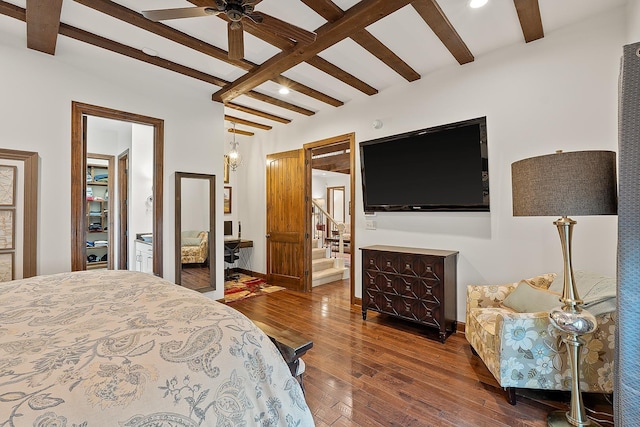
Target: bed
(194, 247)
(130, 349)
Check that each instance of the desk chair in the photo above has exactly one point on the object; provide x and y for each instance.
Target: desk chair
(231, 255)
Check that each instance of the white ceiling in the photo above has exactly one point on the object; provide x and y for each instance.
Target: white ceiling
(483, 30)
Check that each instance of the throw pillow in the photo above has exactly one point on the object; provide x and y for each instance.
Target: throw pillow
(542, 282)
(527, 298)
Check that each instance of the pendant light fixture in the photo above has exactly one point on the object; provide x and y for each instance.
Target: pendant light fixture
(233, 157)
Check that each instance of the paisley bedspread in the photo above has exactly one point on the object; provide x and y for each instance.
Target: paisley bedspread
(120, 348)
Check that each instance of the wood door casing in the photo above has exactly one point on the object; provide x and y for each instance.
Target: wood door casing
(78, 179)
(286, 220)
(123, 210)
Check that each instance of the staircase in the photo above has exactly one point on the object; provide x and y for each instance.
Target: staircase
(323, 269)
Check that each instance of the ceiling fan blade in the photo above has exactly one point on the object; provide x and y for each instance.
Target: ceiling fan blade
(255, 17)
(182, 12)
(235, 36)
(282, 28)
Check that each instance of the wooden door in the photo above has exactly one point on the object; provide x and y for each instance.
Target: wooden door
(287, 223)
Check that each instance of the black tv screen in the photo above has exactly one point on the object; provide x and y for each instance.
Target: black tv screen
(444, 168)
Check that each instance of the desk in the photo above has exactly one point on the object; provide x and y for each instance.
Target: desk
(244, 260)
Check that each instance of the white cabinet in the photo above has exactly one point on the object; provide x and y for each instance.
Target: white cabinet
(144, 256)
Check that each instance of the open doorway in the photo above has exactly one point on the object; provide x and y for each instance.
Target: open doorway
(331, 183)
(146, 132)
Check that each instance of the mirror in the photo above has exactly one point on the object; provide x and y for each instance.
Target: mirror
(195, 231)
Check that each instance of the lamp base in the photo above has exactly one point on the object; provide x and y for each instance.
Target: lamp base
(559, 419)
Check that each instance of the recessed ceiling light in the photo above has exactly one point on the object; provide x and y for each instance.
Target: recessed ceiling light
(284, 90)
(474, 4)
(149, 51)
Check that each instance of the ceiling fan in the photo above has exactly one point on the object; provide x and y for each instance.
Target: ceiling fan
(235, 11)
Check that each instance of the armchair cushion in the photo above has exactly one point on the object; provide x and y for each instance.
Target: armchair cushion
(529, 299)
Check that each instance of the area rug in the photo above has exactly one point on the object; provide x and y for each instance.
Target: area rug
(247, 287)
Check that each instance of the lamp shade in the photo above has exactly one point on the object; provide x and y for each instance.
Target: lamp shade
(565, 184)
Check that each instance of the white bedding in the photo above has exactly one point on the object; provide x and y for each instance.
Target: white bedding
(119, 348)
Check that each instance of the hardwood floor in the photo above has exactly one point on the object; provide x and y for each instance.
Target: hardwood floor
(384, 372)
(196, 277)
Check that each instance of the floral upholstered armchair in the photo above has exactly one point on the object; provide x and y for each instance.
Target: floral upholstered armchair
(508, 328)
(194, 246)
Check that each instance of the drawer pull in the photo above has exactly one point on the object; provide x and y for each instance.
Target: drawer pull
(429, 268)
(388, 283)
(388, 263)
(388, 304)
(407, 266)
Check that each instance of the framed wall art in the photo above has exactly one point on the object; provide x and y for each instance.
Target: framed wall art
(6, 266)
(7, 229)
(226, 169)
(227, 200)
(7, 185)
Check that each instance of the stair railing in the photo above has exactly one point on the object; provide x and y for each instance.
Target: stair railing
(319, 223)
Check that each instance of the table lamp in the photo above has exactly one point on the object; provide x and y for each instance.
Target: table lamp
(562, 184)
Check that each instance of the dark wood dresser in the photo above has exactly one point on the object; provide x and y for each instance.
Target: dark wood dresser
(412, 284)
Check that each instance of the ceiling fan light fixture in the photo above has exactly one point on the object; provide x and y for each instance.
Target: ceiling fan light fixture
(475, 4)
(284, 90)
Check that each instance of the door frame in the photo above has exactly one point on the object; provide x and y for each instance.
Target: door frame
(351, 137)
(123, 210)
(78, 179)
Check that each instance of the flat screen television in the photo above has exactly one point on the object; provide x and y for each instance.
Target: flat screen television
(443, 168)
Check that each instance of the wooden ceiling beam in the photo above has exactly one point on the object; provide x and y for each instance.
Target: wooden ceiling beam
(440, 25)
(113, 46)
(530, 19)
(247, 122)
(277, 102)
(283, 43)
(365, 39)
(240, 132)
(338, 148)
(13, 11)
(129, 16)
(349, 79)
(43, 21)
(306, 90)
(363, 14)
(258, 113)
(270, 28)
(337, 163)
(331, 12)
(134, 18)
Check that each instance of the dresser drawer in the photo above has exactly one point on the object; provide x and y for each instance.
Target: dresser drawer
(406, 264)
(405, 286)
(425, 312)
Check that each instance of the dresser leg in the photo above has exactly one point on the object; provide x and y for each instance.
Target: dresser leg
(364, 314)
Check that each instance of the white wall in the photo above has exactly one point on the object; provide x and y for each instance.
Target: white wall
(36, 116)
(556, 93)
(140, 186)
(633, 21)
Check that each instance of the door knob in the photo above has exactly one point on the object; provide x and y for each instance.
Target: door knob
(267, 235)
